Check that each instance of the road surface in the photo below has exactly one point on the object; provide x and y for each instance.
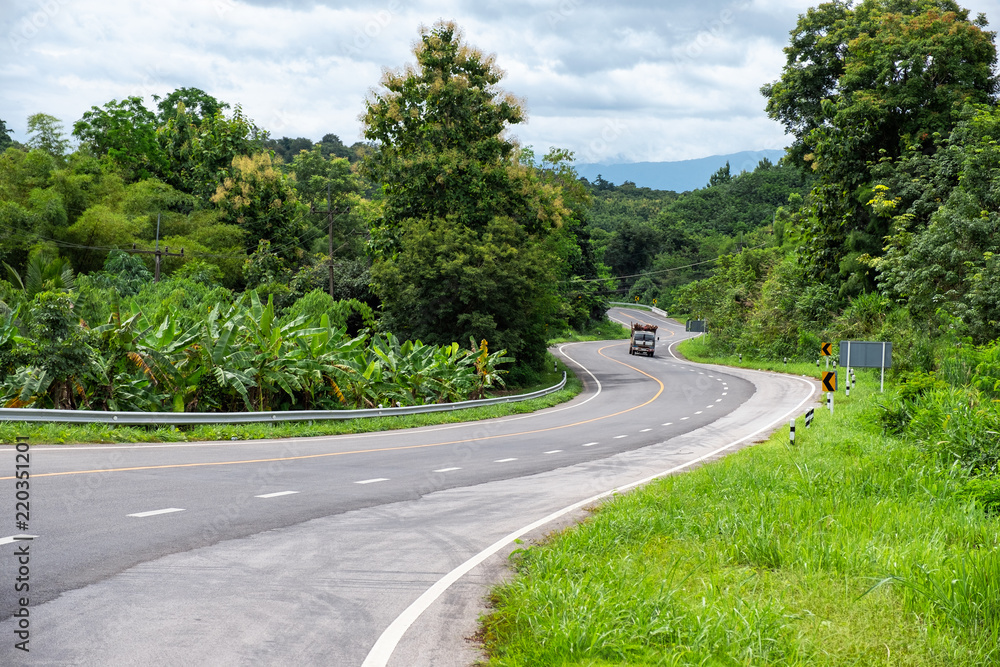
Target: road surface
(373, 549)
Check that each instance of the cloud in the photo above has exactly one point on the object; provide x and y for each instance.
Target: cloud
(682, 77)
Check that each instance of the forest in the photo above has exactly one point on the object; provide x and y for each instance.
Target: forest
(172, 255)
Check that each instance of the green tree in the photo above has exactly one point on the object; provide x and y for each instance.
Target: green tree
(863, 83)
(5, 140)
(194, 103)
(125, 132)
(45, 133)
(200, 149)
(259, 198)
(460, 216)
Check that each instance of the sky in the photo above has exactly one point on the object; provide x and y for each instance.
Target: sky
(633, 81)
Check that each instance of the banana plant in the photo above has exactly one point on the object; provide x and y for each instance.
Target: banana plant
(487, 373)
(26, 386)
(271, 344)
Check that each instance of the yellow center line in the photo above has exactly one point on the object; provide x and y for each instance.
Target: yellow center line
(381, 449)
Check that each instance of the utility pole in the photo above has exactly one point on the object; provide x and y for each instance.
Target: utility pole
(329, 221)
(157, 253)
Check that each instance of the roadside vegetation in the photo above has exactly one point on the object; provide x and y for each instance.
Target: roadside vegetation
(52, 433)
(875, 539)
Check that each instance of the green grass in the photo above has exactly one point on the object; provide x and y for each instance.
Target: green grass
(51, 433)
(849, 548)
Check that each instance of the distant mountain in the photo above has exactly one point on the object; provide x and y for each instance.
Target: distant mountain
(679, 176)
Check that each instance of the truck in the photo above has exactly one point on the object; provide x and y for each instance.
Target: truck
(643, 339)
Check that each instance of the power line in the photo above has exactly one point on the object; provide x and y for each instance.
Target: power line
(654, 273)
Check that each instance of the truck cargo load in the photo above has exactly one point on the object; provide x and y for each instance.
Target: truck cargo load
(643, 339)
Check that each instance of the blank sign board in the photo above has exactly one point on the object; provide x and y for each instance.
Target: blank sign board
(865, 354)
(695, 325)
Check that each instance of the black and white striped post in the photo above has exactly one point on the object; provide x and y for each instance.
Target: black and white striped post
(791, 431)
(809, 416)
(829, 401)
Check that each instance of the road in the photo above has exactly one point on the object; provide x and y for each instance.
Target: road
(372, 549)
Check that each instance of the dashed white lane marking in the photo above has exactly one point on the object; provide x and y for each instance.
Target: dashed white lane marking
(504, 460)
(447, 469)
(708, 407)
(725, 393)
(668, 424)
(619, 437)
(645, 430)
(589, 444)
(699, 412)
(382, 651)
(718, 400)
(16, 538)
(276, 494)
(554, 451)
(372, 481)
(683, 418)
(141, 515)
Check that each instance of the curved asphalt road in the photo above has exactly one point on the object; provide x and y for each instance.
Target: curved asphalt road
(323, 550)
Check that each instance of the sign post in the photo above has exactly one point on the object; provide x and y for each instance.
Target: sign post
(869, 354)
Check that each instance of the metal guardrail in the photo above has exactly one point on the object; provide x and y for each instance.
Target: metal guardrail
(176, 418)
(625, 304)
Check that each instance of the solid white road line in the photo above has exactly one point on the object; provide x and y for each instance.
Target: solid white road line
(372, 481)
(16, 538)
(141, 515)
(447, 469)
(380, 653)
(276, 494)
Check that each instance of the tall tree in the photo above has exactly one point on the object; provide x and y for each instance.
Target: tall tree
(45, 133)
(5, 140)
(460, 215)
(125, 132)
(861, 84)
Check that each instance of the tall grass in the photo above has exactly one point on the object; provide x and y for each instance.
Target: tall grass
(852, 547)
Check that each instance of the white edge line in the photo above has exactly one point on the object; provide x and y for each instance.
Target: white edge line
(142, 515)
(276, 494)
(386, 644)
